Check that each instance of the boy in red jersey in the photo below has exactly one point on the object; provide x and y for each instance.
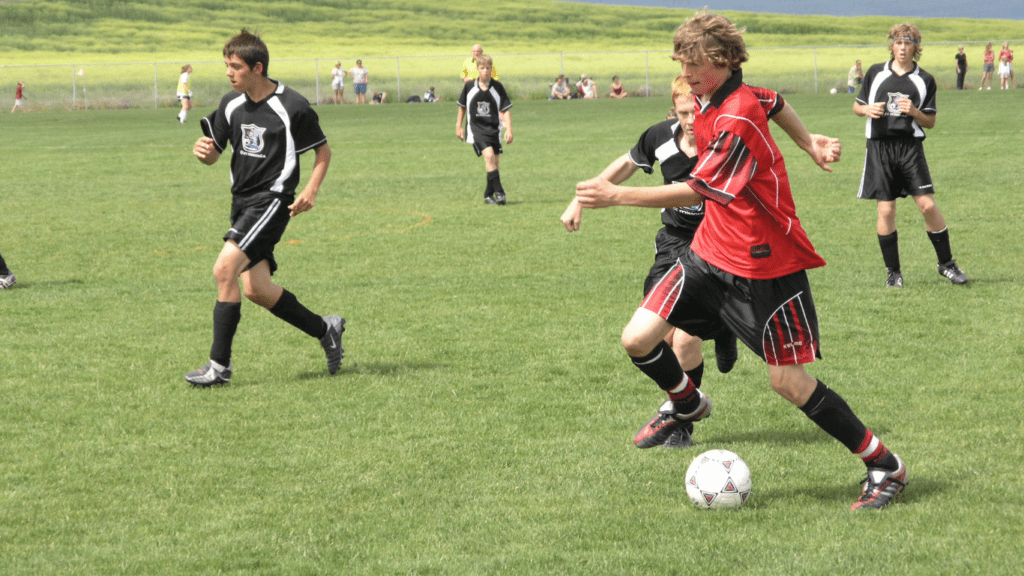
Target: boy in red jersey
(748, 260)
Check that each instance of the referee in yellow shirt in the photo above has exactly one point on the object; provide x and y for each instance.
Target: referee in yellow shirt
(469, 72)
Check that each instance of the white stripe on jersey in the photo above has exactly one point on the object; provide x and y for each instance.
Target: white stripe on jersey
(291, 159)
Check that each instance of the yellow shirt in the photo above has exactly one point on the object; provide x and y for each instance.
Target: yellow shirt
(183, 84)
(469, 71)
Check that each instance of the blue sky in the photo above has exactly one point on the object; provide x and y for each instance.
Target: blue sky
(1002, 9)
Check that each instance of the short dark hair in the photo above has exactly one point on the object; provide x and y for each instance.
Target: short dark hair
(249, 48)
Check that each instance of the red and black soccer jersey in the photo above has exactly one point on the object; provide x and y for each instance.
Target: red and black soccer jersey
(660, 143)
(266, 138)
(881, 84)
(750, 228)
(484, 108)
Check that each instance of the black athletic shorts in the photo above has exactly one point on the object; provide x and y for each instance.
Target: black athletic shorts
(775, 318)
(484, 139)
(895, 169)
(257, 224)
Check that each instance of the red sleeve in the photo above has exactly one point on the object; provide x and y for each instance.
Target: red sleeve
(724, 169)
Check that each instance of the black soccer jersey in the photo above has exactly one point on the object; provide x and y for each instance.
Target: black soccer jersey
(483, 108)
(266, 138)
(881, 84)
(658, 144)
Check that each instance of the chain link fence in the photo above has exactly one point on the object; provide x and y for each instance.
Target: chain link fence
(526, 76)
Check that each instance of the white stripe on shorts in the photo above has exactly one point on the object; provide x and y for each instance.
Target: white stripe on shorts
(260, 225)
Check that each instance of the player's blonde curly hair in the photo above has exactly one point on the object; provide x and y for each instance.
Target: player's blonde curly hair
(710, 36)
(680, 88)
(906, 32)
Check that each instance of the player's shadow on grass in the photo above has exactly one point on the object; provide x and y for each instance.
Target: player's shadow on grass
(22, 284)
(374, 368)
(809, 435)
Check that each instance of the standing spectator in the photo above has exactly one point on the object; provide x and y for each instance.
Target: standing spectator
(19, 98)
(338, 83)
(267, 126)
(359, 77)
(586, 88)
(854, 78)
(961, 67)
(560, 89)
(469, 71)
(1006, 62)
(488, 108)
(618, 90)
(988, 67)
(898, 98)
(7, 278)
(185, 92)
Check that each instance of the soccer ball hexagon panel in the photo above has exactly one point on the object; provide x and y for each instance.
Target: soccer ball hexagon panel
(718, 479)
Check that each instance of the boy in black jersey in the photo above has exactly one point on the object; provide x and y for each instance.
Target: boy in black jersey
(488, 106)
(898, 97)
(268, 126)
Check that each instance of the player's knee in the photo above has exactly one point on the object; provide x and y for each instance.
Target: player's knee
(635, 345)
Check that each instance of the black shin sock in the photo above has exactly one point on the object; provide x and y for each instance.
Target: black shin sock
(890, 251)
(291, 311)
(940, 240)
(226, 316)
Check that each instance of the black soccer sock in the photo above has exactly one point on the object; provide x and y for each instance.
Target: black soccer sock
(831, 413)
(940, 240)
(696, 375)
(890, 250)
(3, 267)
(489, 191)
(494, 181)
(662, 366)
(291, 311)
(226, 316)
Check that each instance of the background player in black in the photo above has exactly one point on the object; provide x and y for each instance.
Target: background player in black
(7, 278)
(268, 126)
(489, 112)
(898, 97)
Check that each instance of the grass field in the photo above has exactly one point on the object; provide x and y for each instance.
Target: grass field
(481, 421)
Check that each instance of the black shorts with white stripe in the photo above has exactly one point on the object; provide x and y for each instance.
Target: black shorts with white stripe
(895, 169)
(257, 224)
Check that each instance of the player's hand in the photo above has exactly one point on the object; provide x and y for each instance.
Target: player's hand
(205, 151)
(460, 132)
(596, 193)
(303, 202)
(876, 110)
(572, 216)
(508, 135)
(825, 151)
(905, 106)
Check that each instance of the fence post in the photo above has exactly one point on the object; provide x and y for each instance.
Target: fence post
(815, 70)
(647, 66)
(561, 63)
(316, 69)
(398, 77)
(74, 88)
(156, 94)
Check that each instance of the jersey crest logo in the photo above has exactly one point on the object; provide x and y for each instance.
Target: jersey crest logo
(483, 108)
(252, 138)
(892, 106)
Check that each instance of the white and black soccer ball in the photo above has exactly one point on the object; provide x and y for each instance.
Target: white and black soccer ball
(718, 479)
(833, 91)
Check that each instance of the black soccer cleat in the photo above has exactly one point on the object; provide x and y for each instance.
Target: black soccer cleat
(953, 272)
(882, 487)
(894, 280)
(499, 198)
(209, 375)
(331, 342)
(661, 427)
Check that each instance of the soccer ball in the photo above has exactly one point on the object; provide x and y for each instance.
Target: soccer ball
(718, 479)
(833, 91)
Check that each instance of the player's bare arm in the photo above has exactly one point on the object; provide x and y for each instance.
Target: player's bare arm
(617, 172)
(307, 198)
(600, 193)
(822, 149)
(907, 107)
(875, 110)
(506, 120)
(205, 151)
(460, 131)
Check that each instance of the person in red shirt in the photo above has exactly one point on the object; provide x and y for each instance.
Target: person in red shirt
(748, 261)
(19, 99)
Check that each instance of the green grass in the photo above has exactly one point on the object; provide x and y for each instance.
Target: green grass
(481, 421)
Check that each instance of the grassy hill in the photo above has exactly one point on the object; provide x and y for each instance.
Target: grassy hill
(56, 31)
